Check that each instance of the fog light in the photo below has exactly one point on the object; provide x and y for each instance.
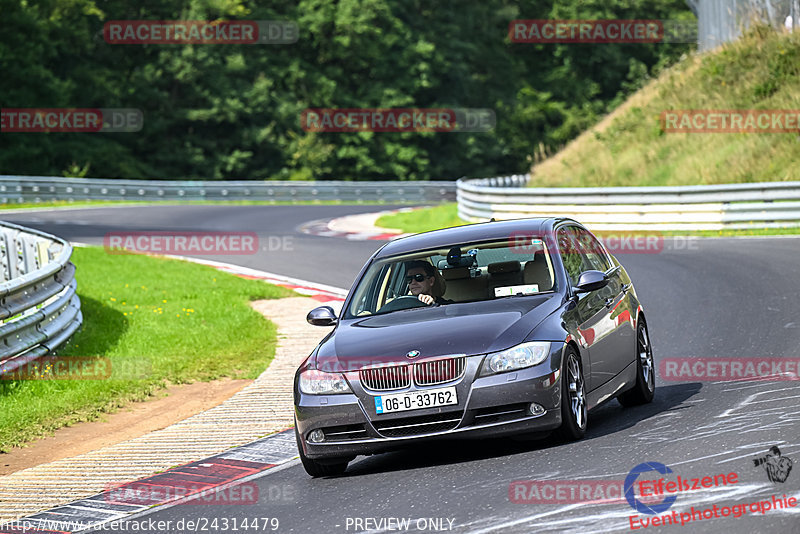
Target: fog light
(536, 409)
(316, 436)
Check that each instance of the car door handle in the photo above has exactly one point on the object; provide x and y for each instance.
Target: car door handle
(609, 302)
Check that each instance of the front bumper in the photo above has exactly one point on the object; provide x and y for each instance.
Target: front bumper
(489, 406)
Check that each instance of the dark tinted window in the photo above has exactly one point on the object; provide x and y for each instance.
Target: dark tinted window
(580, 252)
(506, 268)
(592, 250)
(573, 262)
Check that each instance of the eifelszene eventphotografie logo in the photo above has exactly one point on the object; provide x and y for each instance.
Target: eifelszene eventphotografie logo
(636, 504)
(776, 465)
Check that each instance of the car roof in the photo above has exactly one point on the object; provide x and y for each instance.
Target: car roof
(469, 233)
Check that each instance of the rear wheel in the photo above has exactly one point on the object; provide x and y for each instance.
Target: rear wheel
(645, 388)
(573, 398)
(317, 468)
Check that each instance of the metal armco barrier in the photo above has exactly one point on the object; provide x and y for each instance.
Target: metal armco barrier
(39, 309)
(699, 207)
(722, 21)
(18, 189)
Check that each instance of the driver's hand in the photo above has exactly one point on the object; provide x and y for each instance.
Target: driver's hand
(427, 299)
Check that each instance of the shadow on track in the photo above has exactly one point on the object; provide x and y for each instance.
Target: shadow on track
(610, 418)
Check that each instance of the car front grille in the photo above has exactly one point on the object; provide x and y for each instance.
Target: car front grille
(386, 378)
(412, 426)
(425, 374)
(438, 371)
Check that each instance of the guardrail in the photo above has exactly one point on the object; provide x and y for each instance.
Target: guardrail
(722, 21)
(18, 189)
(39, 309)
(700, 207)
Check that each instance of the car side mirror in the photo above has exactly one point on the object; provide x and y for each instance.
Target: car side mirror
(591, 281)
(322, 316)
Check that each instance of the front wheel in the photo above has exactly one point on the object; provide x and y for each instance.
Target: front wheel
(316, 468)
(573, 398)
(645, 388)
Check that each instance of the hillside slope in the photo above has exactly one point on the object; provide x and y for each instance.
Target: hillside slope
(629, 147)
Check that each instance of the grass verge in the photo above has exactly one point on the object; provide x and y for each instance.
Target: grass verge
(629, 148)
(446, 216)
(158, 321)
(423, 220)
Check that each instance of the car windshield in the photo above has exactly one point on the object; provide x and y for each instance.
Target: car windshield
(467, 273)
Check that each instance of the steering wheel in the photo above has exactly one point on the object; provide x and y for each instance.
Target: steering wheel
(404, 302)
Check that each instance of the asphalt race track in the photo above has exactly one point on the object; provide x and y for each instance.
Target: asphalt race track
(702, 298)
(284, 250)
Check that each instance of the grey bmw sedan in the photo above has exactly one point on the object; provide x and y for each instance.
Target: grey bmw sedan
(491, 329)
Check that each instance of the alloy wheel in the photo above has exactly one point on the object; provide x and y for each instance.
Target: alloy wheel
(577, 395)
(646, 358)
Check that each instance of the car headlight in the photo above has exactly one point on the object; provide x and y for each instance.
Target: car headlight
(313, 382)
(519, 357)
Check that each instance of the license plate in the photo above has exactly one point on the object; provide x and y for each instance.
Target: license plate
(415, 400)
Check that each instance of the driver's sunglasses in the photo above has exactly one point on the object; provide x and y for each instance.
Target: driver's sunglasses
(418, 277)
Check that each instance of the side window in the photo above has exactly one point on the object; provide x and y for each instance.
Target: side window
(573, 262)
(592, 250)
(580, 252)
(375, 296)
(393, 284)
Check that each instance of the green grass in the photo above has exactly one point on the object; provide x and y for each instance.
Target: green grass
(629, 148)
(756, 232)
(422, 220)
(159, 321)
(446, 216)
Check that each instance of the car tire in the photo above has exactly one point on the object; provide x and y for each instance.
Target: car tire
(573, 398)
(645, 388)
(316, 468)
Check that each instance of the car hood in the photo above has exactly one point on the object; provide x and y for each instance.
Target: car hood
(468, 328)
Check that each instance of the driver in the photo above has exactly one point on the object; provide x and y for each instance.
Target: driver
(421, 278)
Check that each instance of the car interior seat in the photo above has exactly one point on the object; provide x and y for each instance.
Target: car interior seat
(537, 271)
(504, 273)
(439, 284)
(461, 287)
